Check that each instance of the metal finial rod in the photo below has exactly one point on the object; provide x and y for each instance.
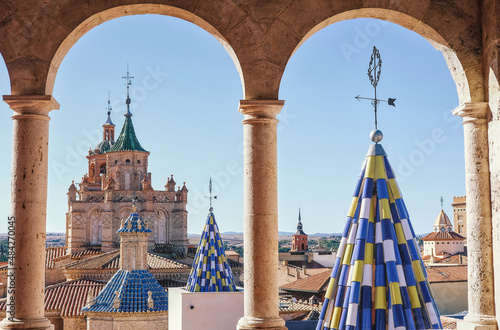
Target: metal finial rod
(210, 191)
(109, 103)
(128, 77)
(442, 200)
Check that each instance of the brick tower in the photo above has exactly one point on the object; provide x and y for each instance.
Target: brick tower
(299, 239)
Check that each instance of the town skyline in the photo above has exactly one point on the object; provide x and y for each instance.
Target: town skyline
(184, 100)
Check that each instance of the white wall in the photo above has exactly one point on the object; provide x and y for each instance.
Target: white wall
(326, 260)
(449, 246)
(204, 310)
(450, 297)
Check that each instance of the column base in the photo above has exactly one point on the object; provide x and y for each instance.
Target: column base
(471, 322)
(253, 323)
(38, 324)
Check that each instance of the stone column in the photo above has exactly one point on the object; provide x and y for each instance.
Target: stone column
(28, 206)
(479, 226)
(260, 215)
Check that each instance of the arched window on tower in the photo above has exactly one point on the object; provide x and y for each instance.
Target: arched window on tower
(102, 169)
(96, 232)
(160, 227)
(92, 170)
(127, 181)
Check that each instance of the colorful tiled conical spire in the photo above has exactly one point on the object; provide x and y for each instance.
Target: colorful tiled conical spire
(378, 280)
(211, 271)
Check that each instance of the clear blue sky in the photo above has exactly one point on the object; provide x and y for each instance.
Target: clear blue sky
(185, 96)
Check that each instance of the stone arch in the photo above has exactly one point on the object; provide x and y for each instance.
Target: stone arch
(461, 49)
(125, 10)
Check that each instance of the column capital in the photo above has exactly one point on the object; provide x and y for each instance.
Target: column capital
(260, 110)
(471, 111)
(31, 104)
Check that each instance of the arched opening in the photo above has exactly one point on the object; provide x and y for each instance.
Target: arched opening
(461, 75)
(102, 169)
(161, 227)
(120, 11)
(324, 129)
(176, 78)
(96, 230)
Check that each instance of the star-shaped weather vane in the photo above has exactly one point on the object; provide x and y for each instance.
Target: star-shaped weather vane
(210, 197)
(374, 70)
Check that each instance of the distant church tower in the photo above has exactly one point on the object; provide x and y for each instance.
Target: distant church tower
(299, 239)
(117, 176)
(443, 241)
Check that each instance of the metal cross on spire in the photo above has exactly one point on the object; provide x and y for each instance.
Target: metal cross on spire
(210, 197)
(128, 77)
(374, 70)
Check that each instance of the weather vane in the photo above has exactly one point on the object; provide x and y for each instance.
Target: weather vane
(374, 70)
(210, 197)
(109, 103)
(128, 83)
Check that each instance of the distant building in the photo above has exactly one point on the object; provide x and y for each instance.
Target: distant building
(117, 175)
(443, 241)
(299, 239)
(460, 215)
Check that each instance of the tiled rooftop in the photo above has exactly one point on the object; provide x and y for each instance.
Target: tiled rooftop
(131, 287)
(53, 253)
(86, 252)
(455, 273)
(67, 299)
(454, 259)
(127, 140)
(111, 260)
(134, 224)
(443, 235)
(313, 284)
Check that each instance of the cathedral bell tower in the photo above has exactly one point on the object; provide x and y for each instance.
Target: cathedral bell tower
(118, 175)
(97, 158)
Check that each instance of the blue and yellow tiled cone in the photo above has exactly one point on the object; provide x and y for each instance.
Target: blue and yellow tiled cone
(378, 280)
(211, 271)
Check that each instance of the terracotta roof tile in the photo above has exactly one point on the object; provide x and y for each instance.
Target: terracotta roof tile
(53, 253)
(86, 252)
(454, 259)
(456, 273)
(444, 235)
(67, 298)
(314, 283)
(111, 260)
